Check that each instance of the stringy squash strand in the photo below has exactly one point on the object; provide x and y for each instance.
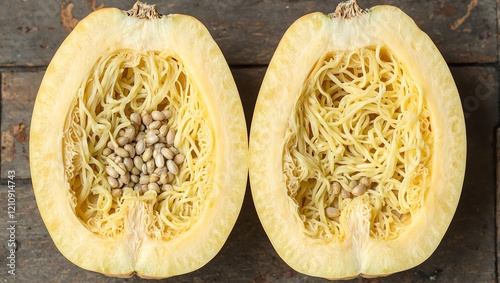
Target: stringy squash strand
(359, 115)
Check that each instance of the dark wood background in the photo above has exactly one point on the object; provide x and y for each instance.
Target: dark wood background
(465, 31)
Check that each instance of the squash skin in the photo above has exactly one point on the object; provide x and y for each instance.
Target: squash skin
(301, 46)
(108, 29)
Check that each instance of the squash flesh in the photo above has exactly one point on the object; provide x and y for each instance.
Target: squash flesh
(358, 253)
(138, 248)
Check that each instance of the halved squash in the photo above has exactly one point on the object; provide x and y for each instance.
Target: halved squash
(138, 145)
(357, 144)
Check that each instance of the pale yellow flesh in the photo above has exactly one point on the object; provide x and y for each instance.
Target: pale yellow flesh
(358, 254)
(100, 33)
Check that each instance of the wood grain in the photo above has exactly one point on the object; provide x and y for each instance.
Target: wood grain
(247, 31)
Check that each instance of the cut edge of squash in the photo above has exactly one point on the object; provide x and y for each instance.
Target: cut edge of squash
(111, 256)
(308, 37)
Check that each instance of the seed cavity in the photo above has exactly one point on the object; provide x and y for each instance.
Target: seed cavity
(139, 159)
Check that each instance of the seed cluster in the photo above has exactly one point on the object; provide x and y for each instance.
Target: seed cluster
(357, 189)
(143, 157)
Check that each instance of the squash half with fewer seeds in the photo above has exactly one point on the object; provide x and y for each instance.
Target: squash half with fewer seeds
(357, 144)
(138, 146)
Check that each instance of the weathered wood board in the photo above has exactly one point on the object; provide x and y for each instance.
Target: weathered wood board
(247, 31)
(466, 32)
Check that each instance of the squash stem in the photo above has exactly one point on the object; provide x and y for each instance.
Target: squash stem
(144, 11)
(348, 10)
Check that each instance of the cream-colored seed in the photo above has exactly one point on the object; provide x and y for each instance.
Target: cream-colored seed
(162, 139)
(147, 155)
(345, 194)
(365, 181)
(161, 170)
(137, 187)
(147, 119)
(164, 178)
(144, 169)
(125, 178)
(140, 136)
(138, 162)
(140, 146)
(167, 153)
(129, 133)
(118, 159)
(154, 125)
(158, 146)
(130, 149)
(172, 167)
(153, 178)
(163, 131)
(121, 152)
(154, 187)
(332, 212)
(170, 177)
(353, 184)
(151, 138)
(174, 150)
(170, 136)
(358, 190)
(167, 187)
(167, 113)
(336, 187)
(111, 172)
(111, 145)
(144, 179)
(136, 171)
(144, 188)
(123, 168)
(121, 141)
(135, 119)
(129, 163)
(159, 161)
(157, 115)
(134, 178)
(179, 158)
(150, 166)
(106, 151)
(113, 183)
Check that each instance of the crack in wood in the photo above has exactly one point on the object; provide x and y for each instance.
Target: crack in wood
(472, 4)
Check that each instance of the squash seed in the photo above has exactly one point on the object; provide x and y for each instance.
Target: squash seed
(157, 115)
(358, 190)
(332, 212)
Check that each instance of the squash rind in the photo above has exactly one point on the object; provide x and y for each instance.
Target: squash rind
(98, 33)
(301, 46)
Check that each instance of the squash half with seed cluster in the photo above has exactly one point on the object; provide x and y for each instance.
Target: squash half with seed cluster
(357, 144)
(138, 145)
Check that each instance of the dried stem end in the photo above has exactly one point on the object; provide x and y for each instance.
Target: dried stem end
(144, 11)
(348, 10)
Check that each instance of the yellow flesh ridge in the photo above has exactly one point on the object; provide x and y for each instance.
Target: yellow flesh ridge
(360, 114)
(123, 82)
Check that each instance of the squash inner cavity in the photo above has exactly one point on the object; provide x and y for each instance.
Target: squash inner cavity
(360, 130)
(123, 85)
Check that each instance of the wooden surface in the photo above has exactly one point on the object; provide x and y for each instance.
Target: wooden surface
(248, 32)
